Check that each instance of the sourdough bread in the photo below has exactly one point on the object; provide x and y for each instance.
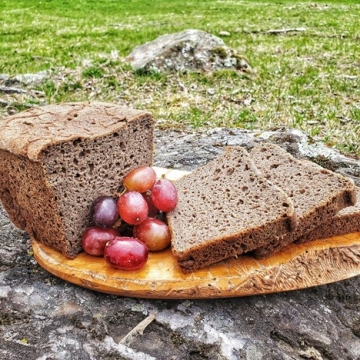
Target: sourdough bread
(55, 160)
(346, 221)
(226, 208)
(318, 194)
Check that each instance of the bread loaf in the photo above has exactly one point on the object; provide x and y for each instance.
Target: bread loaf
(226, 208)
(55, 160)
(318, 194)
(346, 221)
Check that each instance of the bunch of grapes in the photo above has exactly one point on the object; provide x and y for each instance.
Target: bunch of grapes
(140, 207)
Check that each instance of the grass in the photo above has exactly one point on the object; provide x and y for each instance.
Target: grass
(307, 79)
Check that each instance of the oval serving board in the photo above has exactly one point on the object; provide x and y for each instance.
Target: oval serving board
(294, 267)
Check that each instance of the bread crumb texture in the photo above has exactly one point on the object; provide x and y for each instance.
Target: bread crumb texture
(318, 194)
(56, 160)
(226, 208)
(346, 221)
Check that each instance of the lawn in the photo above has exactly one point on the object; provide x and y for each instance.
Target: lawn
(307, 79)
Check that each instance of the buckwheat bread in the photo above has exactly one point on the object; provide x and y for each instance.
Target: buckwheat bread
(346, 221)
(318, 194)
(226, 208)
(55, 160)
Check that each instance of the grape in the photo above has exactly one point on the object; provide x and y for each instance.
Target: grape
(126, 253)
(164, 195)
(140, 179)
(154, 233)
(153, 210)
(94, 239)
(132, 207)
(104, 212)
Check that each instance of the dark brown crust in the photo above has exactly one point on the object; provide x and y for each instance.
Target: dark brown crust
(226, 208)
(318, 194)
(29, 201)
(30, 132)
(344, 222)
(69, 155)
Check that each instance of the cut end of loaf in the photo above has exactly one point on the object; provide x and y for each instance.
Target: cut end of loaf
(318, 194)
(226, 208)
(51, 197)
(346, 221)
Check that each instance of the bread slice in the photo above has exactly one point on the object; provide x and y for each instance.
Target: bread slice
(226, 208)
(55, 160)
(346, 221)
(318, 194)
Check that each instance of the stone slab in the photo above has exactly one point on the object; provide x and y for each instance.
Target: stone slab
(43, 317)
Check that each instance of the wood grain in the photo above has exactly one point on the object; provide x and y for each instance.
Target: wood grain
(295, 267)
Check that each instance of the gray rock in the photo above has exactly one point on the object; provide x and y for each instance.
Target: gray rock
(18, 93)
(43, 317)
(12, 90)
(27, 79)
(189, 50)
(4, 77)
(210, 142)
(4, 103)
(301, 146)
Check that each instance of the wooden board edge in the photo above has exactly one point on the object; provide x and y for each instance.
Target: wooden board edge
(294, 268)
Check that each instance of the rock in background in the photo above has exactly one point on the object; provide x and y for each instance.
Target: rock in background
(189, 50)
(19, 92)
(43, 317)
(202, 146)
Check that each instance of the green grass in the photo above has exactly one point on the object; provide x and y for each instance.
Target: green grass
(306, 79)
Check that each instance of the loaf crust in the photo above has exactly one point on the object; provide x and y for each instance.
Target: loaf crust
(55, 160)
(30, 132)
(226, 208)
(318, 194)
(346, 221)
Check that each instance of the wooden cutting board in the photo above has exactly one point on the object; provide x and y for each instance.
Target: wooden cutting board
(295, 267)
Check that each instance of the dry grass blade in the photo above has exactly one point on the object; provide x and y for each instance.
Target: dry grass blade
(138, 329)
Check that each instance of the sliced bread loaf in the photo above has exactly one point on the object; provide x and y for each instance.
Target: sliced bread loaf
(318, 194)
(55, 160)
(346, 221)
(226, 208)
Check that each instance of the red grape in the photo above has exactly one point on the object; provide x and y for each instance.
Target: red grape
(140, 179)
(94, 239)
(154, 233)
(153, 210)
(132, 207)
(104, 212)
(164, 195)
(126, 253)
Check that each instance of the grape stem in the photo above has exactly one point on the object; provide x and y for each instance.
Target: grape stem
(118, 194)
(117, 224)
